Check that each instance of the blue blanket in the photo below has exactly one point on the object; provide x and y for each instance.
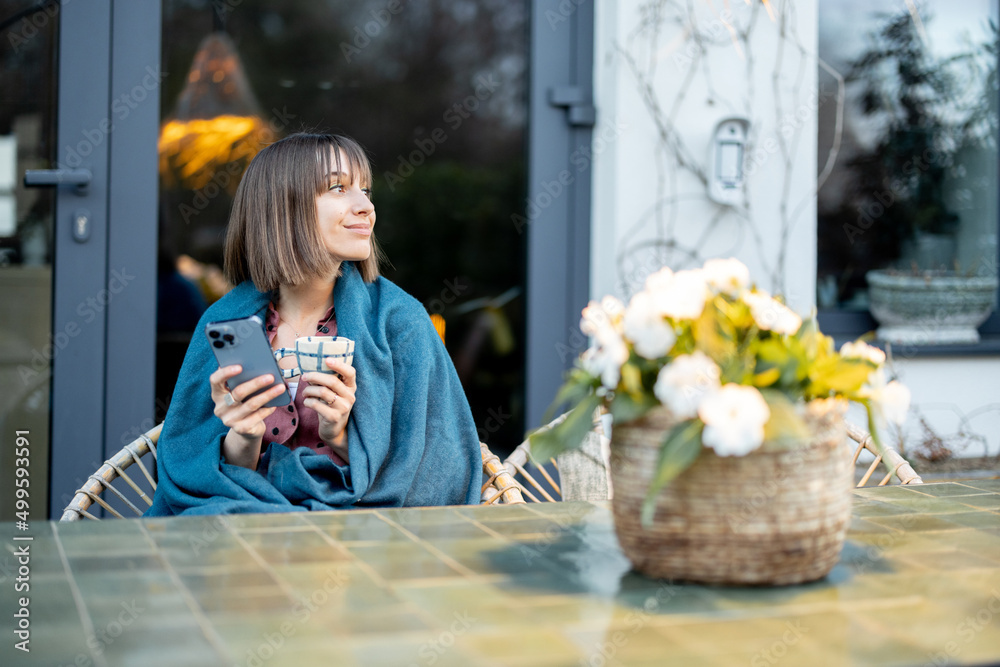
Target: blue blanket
(411, 437)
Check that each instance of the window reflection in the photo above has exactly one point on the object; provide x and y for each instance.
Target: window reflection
(435, 91)
(216, 127)
(28, 345)
(914, 188)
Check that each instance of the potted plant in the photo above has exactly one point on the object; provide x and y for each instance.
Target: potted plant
(727, 456)
(927, 134)
(932, 307)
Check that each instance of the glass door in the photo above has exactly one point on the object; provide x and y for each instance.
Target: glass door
(105, 264)
(28, 79)
(78, 127)
(436, 92)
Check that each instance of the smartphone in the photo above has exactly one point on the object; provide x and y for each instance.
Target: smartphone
(243, 341)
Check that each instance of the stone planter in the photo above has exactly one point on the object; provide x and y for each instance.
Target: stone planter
(933, 308)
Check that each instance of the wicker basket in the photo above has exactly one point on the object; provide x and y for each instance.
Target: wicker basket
(772, 517)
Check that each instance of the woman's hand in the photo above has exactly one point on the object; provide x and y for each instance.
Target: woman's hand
(244, 419)
(331, 395)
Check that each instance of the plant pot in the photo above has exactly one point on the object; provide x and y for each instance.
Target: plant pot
(933, 308)
(772, 517)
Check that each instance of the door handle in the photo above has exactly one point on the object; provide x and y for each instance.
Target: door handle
(579, 106)
(40, 178)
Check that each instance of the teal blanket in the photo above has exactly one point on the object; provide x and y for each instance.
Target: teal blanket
(411, 437)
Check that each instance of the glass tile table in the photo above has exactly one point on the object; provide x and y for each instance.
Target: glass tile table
(918, 583)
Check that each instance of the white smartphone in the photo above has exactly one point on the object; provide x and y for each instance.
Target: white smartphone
(243, 341)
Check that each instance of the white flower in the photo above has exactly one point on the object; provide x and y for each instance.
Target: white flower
(890, 401)
(613, 306)
(682, 297)
(605, 361)
(602, 319)
(684, 383)
(603, 322)
(770, 314)
(660, 281)
(862, 350)
(734, 420)
(646, 327)
(730, 276)
(895, 402)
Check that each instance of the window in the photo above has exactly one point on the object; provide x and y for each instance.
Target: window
(914, 185)
(436, 92)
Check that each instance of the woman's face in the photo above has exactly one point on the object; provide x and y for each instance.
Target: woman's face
(346, 214)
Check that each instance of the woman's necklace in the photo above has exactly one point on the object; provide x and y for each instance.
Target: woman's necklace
(297, 335)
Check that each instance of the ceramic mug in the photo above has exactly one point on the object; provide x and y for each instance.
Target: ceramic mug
(310, 351)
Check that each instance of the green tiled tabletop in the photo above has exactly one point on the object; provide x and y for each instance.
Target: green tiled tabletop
(918, 583)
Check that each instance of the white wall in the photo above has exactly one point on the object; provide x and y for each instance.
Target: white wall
(667, 76)
(957, 398)
(960, 399)
(665, 73)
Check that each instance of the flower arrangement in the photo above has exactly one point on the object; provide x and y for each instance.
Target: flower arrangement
(732, 363)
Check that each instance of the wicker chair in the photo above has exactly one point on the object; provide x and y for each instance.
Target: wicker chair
(114, 468)
(583, 473)
(515, 477)
(894, 463)
(499, 487)
(130, 497)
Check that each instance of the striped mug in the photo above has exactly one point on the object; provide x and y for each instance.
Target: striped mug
(310, 351)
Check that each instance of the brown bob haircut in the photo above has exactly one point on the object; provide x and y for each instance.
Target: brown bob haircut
(273, 234)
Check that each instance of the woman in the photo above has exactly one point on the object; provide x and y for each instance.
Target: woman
(394, 429)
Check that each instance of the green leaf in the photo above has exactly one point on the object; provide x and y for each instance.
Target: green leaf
(579, 384)
(775, 353)
(568, 434)
(785, 428)
(810, 327)
(737, 312)
(680, 449)
(625, 408)
(839, 375)
(714, 334)
(814, 343)
(766, 378)
(685, 340)
(632, 379)
(873, 427)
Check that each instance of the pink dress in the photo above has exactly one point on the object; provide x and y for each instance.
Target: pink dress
(295, 425)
